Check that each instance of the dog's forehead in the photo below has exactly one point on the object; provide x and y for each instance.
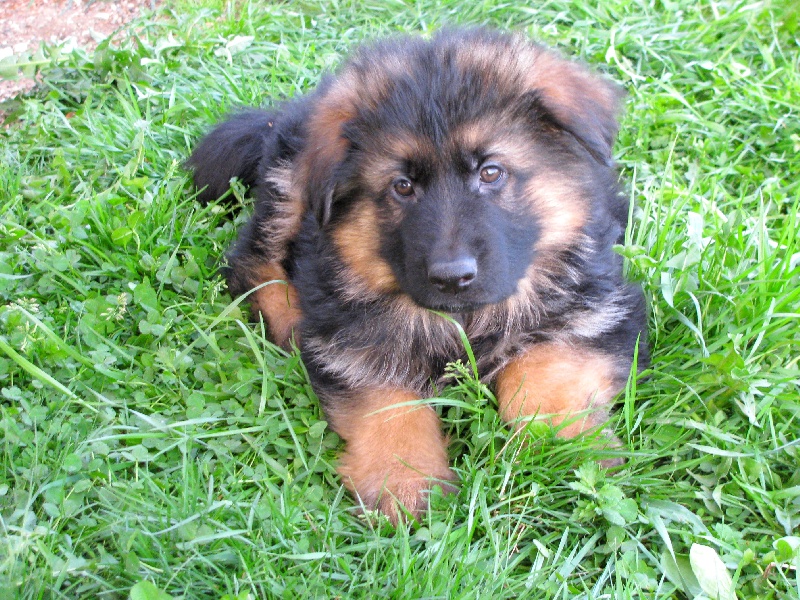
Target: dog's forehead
(438, 85)
(450, 64)
(425, 119)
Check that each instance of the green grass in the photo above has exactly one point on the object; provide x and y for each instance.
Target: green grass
(149, 433)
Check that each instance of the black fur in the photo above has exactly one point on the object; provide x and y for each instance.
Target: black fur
(234, 149)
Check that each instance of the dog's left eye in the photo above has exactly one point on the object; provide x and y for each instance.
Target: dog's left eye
(403, 188)
(491, 174)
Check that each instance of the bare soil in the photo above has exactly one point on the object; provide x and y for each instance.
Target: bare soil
(25, 24)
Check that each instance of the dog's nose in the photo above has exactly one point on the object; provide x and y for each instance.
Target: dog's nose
(453, 276)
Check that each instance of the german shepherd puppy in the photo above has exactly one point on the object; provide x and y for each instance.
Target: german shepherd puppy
(469, 175)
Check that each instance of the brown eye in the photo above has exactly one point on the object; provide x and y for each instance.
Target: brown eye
(403, 187)
(491, 174)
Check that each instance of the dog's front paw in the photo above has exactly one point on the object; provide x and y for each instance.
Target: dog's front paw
(399, 493)
(395, 452)
(610, 442)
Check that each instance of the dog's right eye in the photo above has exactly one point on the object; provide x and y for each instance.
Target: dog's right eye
(491, 174)
(403, 188)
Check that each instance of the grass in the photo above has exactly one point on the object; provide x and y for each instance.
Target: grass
(155, 445)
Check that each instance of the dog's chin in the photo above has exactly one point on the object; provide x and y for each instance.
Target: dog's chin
(455, 304)
(456, 308)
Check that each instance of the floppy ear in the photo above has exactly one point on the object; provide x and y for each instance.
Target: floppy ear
(326, 147)
(580, 102)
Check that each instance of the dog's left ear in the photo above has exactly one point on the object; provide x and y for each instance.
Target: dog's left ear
(580, 102)
(326, 147)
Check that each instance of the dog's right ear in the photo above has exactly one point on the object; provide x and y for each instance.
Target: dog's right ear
(326, 147)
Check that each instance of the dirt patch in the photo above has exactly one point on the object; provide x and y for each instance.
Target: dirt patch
(25, 24)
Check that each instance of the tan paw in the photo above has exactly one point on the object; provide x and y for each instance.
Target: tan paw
(408, 497)
(395, 451)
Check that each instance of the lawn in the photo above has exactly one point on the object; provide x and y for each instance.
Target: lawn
(154, 444)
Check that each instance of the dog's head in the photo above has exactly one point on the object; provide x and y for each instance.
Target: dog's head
(449, 169)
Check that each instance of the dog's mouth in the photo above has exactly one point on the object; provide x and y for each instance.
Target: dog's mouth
(454, 307)
(456, 304)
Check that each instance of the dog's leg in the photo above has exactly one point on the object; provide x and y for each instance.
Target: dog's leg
(560, 383)
(394, 454)
(277, 302)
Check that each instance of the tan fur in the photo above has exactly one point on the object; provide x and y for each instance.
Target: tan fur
(352, 90)
(558, 382)
(496, 139)
(576, 96)
(572, 89)
(357, 241)
(277, 302)
(328, 146)
(393, 455)
(561, 209)
(369, 80)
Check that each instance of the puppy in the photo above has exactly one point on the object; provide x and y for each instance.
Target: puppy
(469, 175)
